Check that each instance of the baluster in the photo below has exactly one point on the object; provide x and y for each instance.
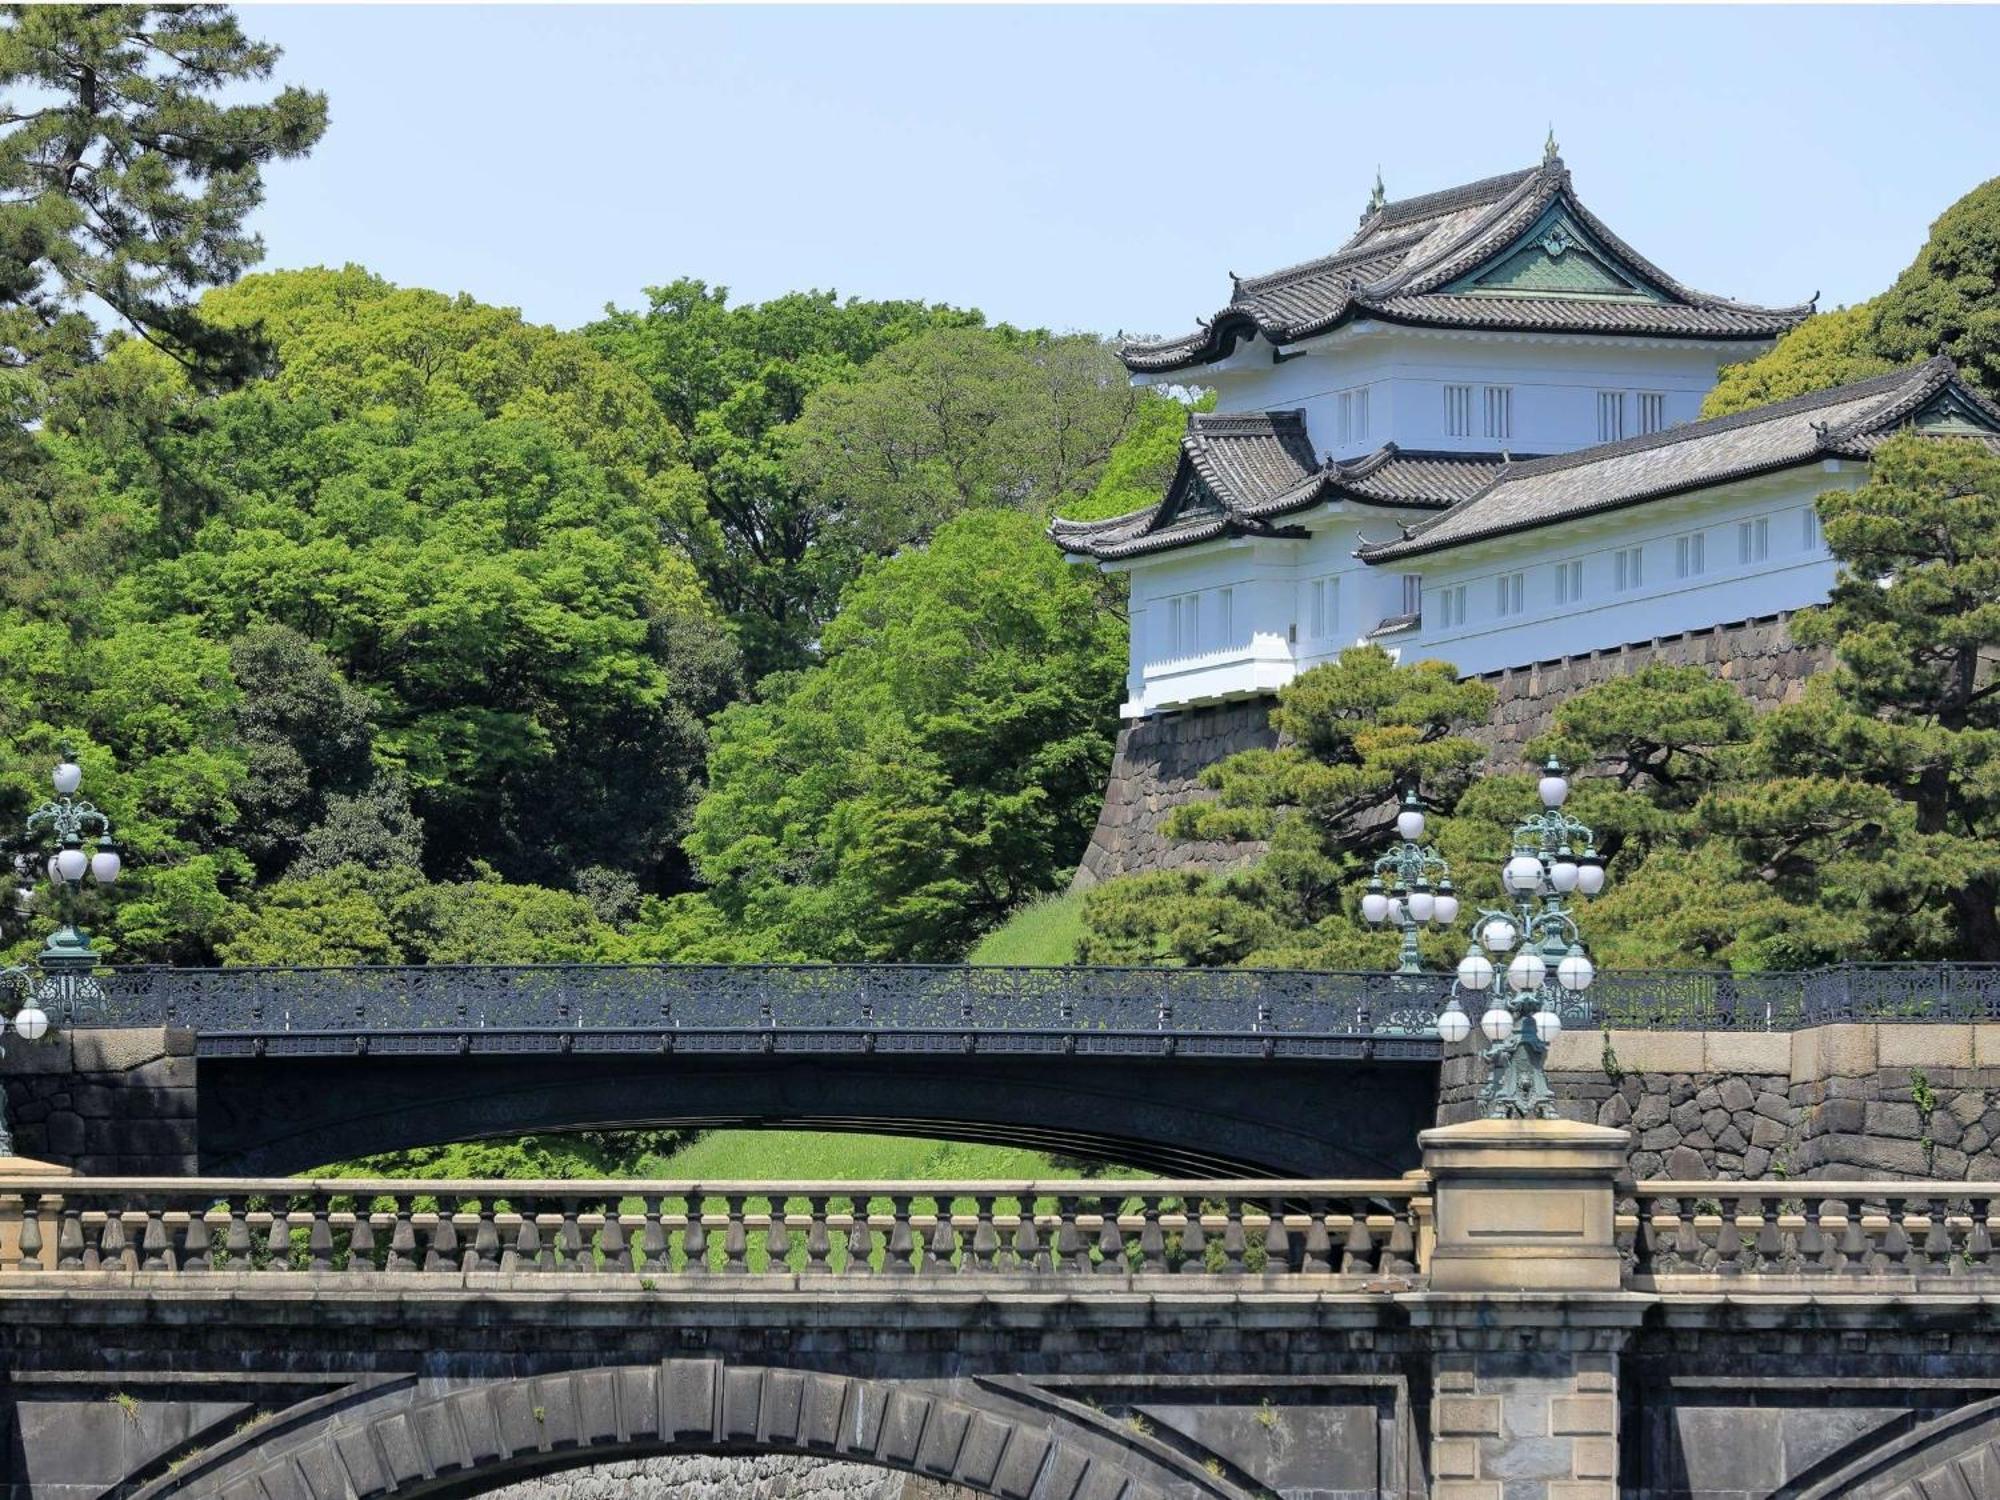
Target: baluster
(985, 1254)
(1233, 1213)
(1815, 1245)
(1318, 1259)
(1277, 1240)
(1029, 1257)
(1769, 1245)
(1894, 1253)
(1399, 1255)
(1728, 1244)
(237, 1247)
(319, 1236)
(1072, 1249)
(112, 1253)
(858, 1239)
(486, 1253)
(818, 1247)
(613, 1244)
(526, 1252)
(1194, 1240)
(735, 1237)
(1854, 1253)
(402, 1239)
(361, 1243)
(443, 1254)
(1152, 1239)
(1979, 1238)
(655, 1254)
(1357, 1246)
(156, 1250)
(777, 1240)
(944, 1240)
(1110, 1241)
(69, 1237)
(1938, 1257)
(31, 1233)
(567, 1250)
(899, 1248)
(278, 1241)
(694, 1243)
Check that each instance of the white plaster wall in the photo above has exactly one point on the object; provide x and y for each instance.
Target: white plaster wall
(1793, 575)
(1555, 381)
(1271, 617)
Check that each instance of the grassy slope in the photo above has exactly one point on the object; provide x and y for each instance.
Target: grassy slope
(1044, 932)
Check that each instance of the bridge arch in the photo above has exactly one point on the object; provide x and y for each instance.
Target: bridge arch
(1954, 1454)
(477, 1438)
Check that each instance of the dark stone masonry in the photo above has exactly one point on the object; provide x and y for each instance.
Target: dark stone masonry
(1159, 761)
(1883, 1100)
(106, 1103)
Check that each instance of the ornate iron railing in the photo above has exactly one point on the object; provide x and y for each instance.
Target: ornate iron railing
(1346, 1232)
(1678, 1233)
(871, 999)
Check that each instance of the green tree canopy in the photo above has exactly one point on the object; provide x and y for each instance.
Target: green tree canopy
(125, 179)
(941, 764)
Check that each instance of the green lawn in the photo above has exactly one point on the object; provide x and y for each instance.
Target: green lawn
(1043, 932)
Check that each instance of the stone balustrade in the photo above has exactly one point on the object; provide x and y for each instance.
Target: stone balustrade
(1346, 1232)
(1675, 1235)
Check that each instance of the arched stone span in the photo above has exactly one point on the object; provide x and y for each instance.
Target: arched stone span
(1955, 1454)
(471, 1440)
(1179, 1116)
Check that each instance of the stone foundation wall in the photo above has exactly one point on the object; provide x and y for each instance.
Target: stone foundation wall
(108, 1103)
(1852, 1101)
(1156, 768)
(1159, 760)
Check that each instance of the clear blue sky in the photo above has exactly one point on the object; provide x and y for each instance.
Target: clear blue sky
(1102, 167)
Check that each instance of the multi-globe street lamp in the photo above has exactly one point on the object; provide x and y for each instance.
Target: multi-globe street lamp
(1554, 857)
(1411, 887)
(62, 975)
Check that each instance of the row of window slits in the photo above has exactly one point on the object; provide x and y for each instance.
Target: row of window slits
(1496, 411)
(1628, 571)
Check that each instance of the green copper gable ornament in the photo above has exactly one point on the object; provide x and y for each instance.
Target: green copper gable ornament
(62, 977)
(1377, 199)
(1551, 152)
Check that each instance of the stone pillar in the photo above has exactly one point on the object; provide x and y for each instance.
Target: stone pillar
(1525, 1311)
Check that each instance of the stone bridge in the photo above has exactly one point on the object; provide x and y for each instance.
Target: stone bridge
(1185, 1072)
(1511, 1323)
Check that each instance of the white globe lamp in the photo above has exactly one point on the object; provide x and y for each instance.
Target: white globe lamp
(1498, 935)
(1497, 1024)
(105, 865)
(71, 863)
(1454, 1025)
(1590, 877)
(1475, 970)
(1527, 971)
(1563, 876)
(1576, 971)
(1549, 1024)
(1410, 824)
(31, 1022)
(1523, 873)
(1554, 789)
(1447, 908)
(1374, 906)
(1396, 910)
(1422, 904)
(68, 777)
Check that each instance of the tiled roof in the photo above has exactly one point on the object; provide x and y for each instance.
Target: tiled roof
(1240, 472)
(1847, 421)
(1408, 263)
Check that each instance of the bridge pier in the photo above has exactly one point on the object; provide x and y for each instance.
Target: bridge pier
(108, 1102)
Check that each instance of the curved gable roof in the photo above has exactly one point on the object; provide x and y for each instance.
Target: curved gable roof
(1418, 262)
(1847, 421)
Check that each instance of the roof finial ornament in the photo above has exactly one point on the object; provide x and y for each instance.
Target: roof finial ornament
(1379, 198)
(1551, 152)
